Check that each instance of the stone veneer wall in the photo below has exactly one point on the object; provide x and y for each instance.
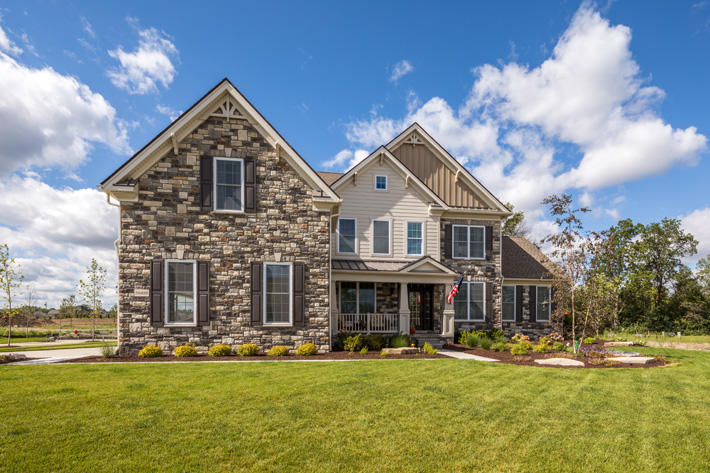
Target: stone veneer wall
(387, 298)
(167, 222)
(529, 326)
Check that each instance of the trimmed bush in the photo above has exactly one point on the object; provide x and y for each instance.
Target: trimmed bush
(429, 349)
(278, 350)
(542, 348)
(307, 349)
(364, 351)
(353, 343)
(248, 349)
(500, 346)
(558, 346)
(589, 341)
(374, 342)
(486, 343)
(519, 349)
(185, 350)
(220, 350)
(496, 334)
(150, 351)
(399, 341)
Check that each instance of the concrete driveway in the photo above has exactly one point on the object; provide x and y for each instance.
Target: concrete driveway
(43, 357)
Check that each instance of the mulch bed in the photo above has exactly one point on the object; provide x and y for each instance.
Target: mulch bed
(528, 360)
(335, 355)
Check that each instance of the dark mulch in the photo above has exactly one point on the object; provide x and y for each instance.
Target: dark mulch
(528, 360)
(335, 355)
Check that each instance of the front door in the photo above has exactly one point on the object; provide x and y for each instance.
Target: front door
(421, 306)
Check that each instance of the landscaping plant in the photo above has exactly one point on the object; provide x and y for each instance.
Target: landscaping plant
(248, 349)
(485, 343)
(220, 350)
(278, 350)
(307, 349)
(353, 343)
(187, 349)
(429, 349)
(150, 351)
(399, 341)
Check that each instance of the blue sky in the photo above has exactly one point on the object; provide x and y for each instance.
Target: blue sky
(607, 101)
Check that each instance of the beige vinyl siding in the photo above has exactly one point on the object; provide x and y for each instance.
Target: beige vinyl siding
(397, 204)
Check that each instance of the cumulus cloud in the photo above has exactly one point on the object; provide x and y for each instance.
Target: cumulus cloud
(401, 69)
(8, 46)
(168, 111)
(697, 223)
(346, 159)
(55, 119)
(150, 64)
(55, 232)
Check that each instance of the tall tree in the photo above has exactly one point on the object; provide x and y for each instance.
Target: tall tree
(91, 289)
(515, 224)
(703, 274)
(10, 279)
(567, 243)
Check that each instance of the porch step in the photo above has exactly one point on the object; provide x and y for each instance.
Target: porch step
(436, 341)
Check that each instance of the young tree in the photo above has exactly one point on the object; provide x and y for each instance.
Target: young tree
(515, 224)
(67, 309)
(10, 279)
(92, 289)
(567, 243)
(29, 307)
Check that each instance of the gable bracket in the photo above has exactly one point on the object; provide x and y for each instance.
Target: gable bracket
(175, 143)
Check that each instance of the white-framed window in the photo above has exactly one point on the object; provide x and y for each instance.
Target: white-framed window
(347, 240)
(228, 184)
(543, 301)
(381, 237)
(278, 293)
(381, 183)
(415, 238)
(180, 292)
(470, 302)
(468, 242)
(357, 297)
(509, 300)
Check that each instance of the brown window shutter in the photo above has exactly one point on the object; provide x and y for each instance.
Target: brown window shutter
(206, 163)
(157, 298)
(249, 186)
(257, 278)
(519, 303)
(489, 301)
(203, 293)
(489, 243)
(447, 240)
(299, 289)
(533, 303)
(553, 301)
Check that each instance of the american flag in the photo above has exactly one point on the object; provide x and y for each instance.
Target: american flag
(454, 290)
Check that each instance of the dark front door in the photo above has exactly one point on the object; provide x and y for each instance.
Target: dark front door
(421, 306)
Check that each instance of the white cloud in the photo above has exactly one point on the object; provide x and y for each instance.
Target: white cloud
(346, 159)
(140, 71)
(401, 69)
(8, 46)
(168, 111)
(87, 27)
(55, 119)
(698, 223)
(55, 233)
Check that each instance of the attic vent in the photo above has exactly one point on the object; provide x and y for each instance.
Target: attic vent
(227, 109)
(413, 139)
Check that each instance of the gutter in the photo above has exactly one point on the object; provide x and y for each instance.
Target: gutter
(115, 245)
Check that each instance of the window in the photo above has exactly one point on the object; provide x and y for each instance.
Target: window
(470, 302)
(415, 238)
(469, 241)
(357, 297)
(346, 235)
(229, 184)
(180, 297)
(381, 183)
(509, 303)
(277, 294)
(381, 236)
(543, 304)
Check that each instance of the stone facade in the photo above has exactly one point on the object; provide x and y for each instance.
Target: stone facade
(387, 297)
(529, 326)
(167, 222)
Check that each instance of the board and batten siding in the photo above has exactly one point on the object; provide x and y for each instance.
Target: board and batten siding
(398, 204)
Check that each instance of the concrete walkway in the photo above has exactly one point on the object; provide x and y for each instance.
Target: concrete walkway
(464, 356)
(44, 357)
(54, 343)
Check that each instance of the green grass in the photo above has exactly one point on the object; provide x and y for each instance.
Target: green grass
(23, 339)
(97, 344)
(383, 415)
(658, 337)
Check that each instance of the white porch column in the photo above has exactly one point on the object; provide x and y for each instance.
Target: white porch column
(447, 324)
(403, 308)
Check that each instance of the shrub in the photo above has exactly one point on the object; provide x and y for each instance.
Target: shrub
(353, 343)
(519, 337)
(108, 351)
(374, 342)
(248, 349)
(383, 354)
(150, 351)
(220, 350)
(185, 350)
(496, 334)
(278, 350)
(363, 351)
(542, 348)
(429, 349)
(555, 337)
(307, 349)
(399, 341)
(589, 341)
(471, 339)
(558, 346)
(486, 343)
(499, 346)
(519, 349)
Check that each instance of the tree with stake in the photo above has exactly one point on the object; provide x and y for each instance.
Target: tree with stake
(92, 290)
(10, 279)
(29, 301)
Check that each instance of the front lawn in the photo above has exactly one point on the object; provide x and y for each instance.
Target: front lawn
(381, 415)
(64, 346)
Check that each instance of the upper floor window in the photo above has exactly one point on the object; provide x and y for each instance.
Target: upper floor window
(381, 236)
(469, 241)
(180, 297)
(415, 238)
(469, 303)
(381, 183)
(544, 303)
(509, 303)
(346, 235)
(277, 294)
(229, 184)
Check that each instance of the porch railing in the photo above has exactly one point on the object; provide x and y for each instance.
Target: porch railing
(368, 323)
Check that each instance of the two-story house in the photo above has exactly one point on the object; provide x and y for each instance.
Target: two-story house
(227, 235)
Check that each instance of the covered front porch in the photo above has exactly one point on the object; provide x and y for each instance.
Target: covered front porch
(406, 298)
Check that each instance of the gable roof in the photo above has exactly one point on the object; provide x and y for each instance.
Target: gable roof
(521, 259)
(451, 162)
(408, 175)
(225, 99)
(329, 177)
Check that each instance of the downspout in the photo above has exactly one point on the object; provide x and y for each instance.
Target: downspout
(115, 245)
